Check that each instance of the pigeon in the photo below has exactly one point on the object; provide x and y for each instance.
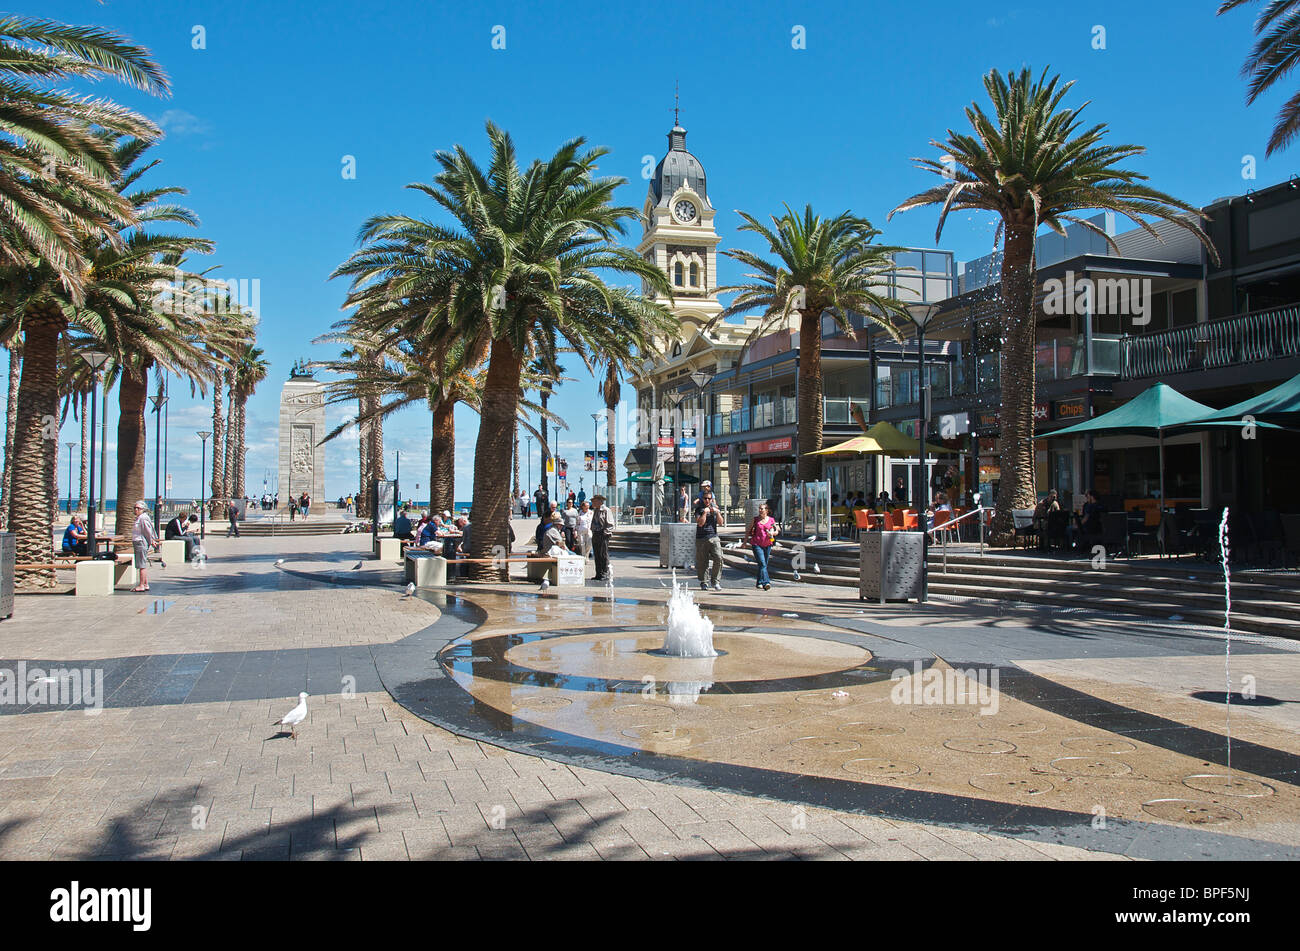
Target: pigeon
(357, 566)
(294, 716)
(410, 588)
(279, 562)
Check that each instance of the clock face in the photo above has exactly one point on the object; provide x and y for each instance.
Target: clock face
(684, 210)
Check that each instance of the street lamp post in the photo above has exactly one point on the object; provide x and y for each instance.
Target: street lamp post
(671, 401)
(921, 314)
(71, 446)
(96, 359)
(595, 448)
(203, 468)
(529, 438)
(397, 485)
(556, 457)
(158, 400)
(701, 379)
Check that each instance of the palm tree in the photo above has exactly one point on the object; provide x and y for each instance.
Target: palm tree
(56, 163)
(56, 171)
(1277, 32)
(1033, 164)
(217, 487)
(250, 370)
(611, 391)
(11, 418)
(839, 272)
(521, 270)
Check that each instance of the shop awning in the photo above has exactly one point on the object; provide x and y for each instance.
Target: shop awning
(895, 442)
(1279, 406)
(860, 444)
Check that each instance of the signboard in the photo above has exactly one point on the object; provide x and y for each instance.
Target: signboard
(169, 483)
(665, 445)
(550, 465)
(689, 451)
(564, 468)
(600, 456)
(991, 419)
(387, 495)
(764, 446)
(1070, 409)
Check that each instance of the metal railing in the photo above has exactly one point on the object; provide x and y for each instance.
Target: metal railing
(1230, 341)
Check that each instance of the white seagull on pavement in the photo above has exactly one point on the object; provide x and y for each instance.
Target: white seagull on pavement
(294, 716)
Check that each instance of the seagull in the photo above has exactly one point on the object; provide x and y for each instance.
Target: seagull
(279, 562)
(817, 567)
(812, 539)
(410, 588)
(546, 583)
(294, 716)
(357, 566)
(796, 576)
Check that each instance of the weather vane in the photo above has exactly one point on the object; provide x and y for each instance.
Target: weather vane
(676, 104)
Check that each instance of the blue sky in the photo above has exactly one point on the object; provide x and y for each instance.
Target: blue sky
(260, 120)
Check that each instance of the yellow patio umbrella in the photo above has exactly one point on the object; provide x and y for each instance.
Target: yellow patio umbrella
(860, 444)
(895, 442)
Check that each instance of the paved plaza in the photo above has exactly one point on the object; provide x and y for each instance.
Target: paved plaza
(499, 722)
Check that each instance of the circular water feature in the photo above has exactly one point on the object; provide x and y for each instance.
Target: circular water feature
(1004, 784)
(541, 702)
(1098, 744)
(878, 767)
(870, 729)
(1018, 727)
(1223, 785)
(1090, 766)
(944, 713)
(979, 744)
(1190, 812)
(826, 744)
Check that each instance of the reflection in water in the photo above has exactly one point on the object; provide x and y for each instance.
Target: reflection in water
(687, 691)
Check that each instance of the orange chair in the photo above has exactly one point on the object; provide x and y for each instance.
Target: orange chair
(941, 526)
(909, 520)
(862, 520)
(896, 523)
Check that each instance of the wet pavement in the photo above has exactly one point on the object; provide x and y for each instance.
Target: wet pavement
(1055, 730)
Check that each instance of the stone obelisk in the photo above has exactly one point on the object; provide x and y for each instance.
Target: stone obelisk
(302, 427)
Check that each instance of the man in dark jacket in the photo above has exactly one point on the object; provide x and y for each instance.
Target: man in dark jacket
(602, 527)
(232, 512)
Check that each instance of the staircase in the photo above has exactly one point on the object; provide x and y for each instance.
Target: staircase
(266, 527)
(1262, 602)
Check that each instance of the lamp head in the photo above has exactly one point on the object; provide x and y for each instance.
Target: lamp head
(96, 358)
(922, 312)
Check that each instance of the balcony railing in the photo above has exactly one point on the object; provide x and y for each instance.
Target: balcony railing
(1231, 341)
(760, 416)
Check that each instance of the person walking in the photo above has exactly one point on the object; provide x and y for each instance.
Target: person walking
(143, 538)
(293, 508)
(571, 525)
(708, 547)
(542, 498)
(762, 535)
(601, 529)
(232, 512)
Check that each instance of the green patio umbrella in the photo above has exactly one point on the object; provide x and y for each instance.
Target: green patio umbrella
(1280, 406)
(1153, 412)
(640, 477)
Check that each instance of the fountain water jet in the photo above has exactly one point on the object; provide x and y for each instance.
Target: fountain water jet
(690, 633)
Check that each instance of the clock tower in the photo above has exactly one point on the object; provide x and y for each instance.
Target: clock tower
(679, 236)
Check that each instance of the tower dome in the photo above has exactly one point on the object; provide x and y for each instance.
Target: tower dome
(679, 167)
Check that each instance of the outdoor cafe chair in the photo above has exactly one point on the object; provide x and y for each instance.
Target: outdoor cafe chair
(1023, 522)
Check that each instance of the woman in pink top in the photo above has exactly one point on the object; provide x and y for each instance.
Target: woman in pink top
(762, 535)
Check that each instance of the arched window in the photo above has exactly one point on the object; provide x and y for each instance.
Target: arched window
(677, 274)
(695, 275)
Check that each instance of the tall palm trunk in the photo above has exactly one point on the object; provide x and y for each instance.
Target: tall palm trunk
(810, 394)
(218, 486)
(363, 465)
(442, 456)
(241, 489)
(229, 478)
(611, 480)
(541, 422)
(132, 395)
(11, 423)
(515, 456)
(492, 457)
(85, 452)
(34, 446)
(1016, 490)
(376, 440)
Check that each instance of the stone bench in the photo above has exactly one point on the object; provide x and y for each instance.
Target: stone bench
(389, 549)
(99, 578)
(563, 571)
(426, 570)
(172, 552)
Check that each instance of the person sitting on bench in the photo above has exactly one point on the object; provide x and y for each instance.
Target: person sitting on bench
(179, 529)
(74, 537)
